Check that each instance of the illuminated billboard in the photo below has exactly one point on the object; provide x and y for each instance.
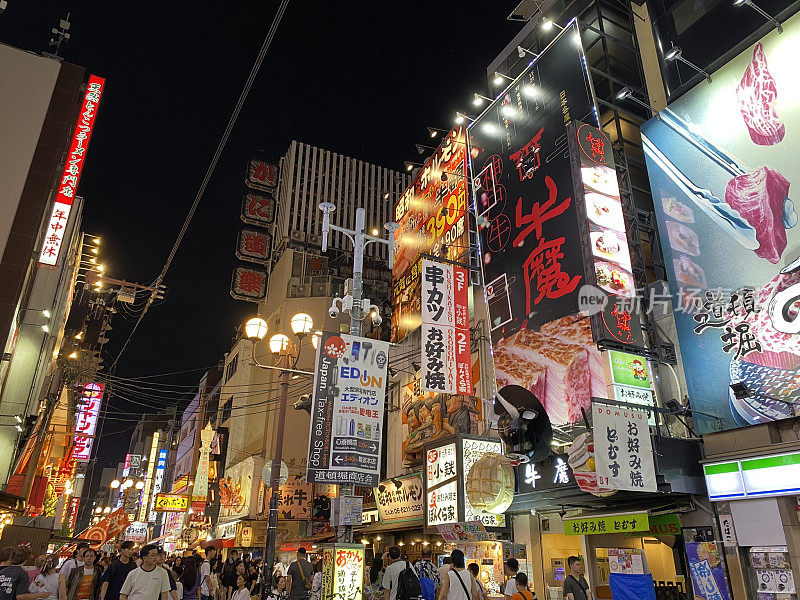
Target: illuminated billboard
(86, 417)
(722, 160)
(432, 219)
(531, 229)
(73, 167)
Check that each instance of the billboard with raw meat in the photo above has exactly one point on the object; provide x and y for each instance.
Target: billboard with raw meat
(723, 165)
(529, 226)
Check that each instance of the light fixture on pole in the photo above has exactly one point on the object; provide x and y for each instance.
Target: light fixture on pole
(435, 131)
(760, 11)
(461, 117)
(478, 99)
(548, 24)
(521, 52)
(421, 149)
(115, 484)
(499, 78)
(255, 329)
(140, 485)
(626, 93)
(410, 165)
(675, 53)
(315, 338)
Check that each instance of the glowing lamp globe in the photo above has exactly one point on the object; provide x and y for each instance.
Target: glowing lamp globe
(115, 484)
(140, 485)
(255, 329)
(278, 343)
(315, 339)
(490, 484)
(301, 324)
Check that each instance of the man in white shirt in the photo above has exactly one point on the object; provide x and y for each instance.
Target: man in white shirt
(512, 566)
(66, 569)
(146, 582)
(205, 571)
(391, 576)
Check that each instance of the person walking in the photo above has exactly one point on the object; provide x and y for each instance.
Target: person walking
(427, 570)
(190, 580)
(299, 576)
(459, 584)
(47, 579)
(241, 592)
(205, 571)
(575, 585)
(147, 581)
(475, 569)
(161, 563)
(66, 569)
(83, 582)
(112, 579)
(512, 566)
(523, 593)
(316, 582)
(229, 573)
(14, 578)
(391, 577)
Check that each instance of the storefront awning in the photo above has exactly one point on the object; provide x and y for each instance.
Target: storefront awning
(415, 525)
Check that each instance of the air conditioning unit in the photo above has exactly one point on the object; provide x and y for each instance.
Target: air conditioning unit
(299, 290)
(294, 281)
(322, 289)
(297, 235)
(381, 287)
(314, 239)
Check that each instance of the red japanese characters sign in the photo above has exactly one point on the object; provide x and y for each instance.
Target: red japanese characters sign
(261, 175)
(249, 284)
(86, 419)
(446, 356)
(253, 246)
(73, 166)
(258, 209)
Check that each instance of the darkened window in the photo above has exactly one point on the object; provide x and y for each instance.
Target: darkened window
(230, 369)
(226, 409)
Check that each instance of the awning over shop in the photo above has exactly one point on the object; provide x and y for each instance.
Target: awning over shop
(415, 525)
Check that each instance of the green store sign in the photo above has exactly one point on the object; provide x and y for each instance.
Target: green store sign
(629, 369)
(627, 523)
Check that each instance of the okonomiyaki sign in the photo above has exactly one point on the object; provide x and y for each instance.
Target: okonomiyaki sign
(347, 410)
(529, 231)
(723, 169)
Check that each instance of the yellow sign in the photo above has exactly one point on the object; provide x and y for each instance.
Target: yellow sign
(627, 523)
(171, 503)
(343, 572)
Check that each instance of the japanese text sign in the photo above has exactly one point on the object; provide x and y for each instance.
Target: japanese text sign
(707, 570)
(296, 498)
(253, 246)
(406, 502)
(472, 452)
(249, 284)
(137, 532)
(623, 451)
(148, 482)
(258, 209)
(159, 479)
(471, 531)
(343, 573)
(432, 218)
(442, 486)
(86, 420)
(261, 175)
(171, 503)
(347, 410)
(551, 473)
(625, 523)
(73, 167)
(446, 356)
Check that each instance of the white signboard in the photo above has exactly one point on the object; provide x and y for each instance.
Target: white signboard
(446, 356)
(86, 419)
(728, 532)
(442, 485)
(347, 410)
(403, 502)
(473, 450)
(137, 532)
(159, 480)
(623, 453)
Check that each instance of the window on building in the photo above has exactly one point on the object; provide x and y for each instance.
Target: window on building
(230, 369)
(226, 409)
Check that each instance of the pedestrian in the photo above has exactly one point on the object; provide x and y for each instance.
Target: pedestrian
(191, 579)
(428, 575)
(147, 581)
(443, 571)
(66, 569)
(113, 577)
(279, 591)
(40, 560)
(459, 583)
(14, 578)
(240, 570)
(5, 556)
(215, 579)
(241, 592)
(375, 576)
(252, 578)
(512, 566)
(391, 577)
(475, 569)
(83, 582)
(229, 573)
(299, 576)
(161, 563)
(575, 585)
(316, 582)
(523, 593)
(177, 571)
(47, 579)
(205, 571)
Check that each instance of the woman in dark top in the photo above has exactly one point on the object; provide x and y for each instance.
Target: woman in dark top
(190, 579)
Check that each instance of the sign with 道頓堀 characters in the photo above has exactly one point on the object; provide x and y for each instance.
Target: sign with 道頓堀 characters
(623, 452)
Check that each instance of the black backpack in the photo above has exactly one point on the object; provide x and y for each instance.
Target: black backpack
(408, 587)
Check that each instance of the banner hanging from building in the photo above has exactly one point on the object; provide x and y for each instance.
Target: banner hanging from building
(623, 452)
(347, 410)
(73, 167)
(107, 528)
(446, 355)
(86, 417)
(432, 218)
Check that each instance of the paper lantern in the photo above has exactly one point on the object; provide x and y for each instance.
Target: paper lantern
(490, 484)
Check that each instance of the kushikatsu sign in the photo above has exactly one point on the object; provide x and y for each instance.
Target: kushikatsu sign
(71, 174)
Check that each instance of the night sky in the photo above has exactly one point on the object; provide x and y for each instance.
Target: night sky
(359, 78)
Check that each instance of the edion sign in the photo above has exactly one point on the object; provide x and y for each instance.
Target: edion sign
(73, 166)
(86, 419)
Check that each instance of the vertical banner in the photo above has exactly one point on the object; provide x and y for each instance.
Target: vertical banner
(343, 572)
(707, 570)
(347, 410)
(159, 480)
(86, 420)
(446, 357)
(623, 452)
(148, 482)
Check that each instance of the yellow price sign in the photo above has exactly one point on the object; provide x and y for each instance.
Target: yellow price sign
(171, 503)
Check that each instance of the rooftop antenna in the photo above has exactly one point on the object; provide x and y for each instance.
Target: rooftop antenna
(60, 34)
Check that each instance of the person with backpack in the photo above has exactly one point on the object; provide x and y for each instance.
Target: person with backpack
(14, 578)
(523, 592)
(205, 571)
(299, 577)
(459, 583)
(400, 581)
(428, 575)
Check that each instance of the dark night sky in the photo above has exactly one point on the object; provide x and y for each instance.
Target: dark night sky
(360, 78)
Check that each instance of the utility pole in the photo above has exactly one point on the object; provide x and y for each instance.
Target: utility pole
(353, 302)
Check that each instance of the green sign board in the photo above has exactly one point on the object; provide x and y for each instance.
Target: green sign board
(627, 523)
(629, 369)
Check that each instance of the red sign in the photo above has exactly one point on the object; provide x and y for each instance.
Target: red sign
(258, 209)
(253, 245)
(73, 166)
(73, 513)
(261, 175)
(249, 284)
(86, 416)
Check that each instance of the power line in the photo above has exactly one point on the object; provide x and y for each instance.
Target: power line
(211, 167)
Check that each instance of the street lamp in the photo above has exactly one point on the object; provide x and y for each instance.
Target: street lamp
(140, 485)
(106, 510)
(286, 363)
(115, 484)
